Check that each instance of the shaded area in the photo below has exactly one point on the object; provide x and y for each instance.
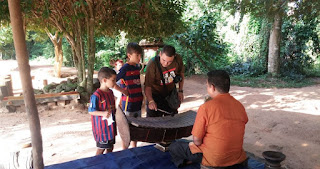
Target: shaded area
(135, 158)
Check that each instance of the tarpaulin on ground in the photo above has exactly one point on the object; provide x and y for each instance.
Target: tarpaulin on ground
(146, 157)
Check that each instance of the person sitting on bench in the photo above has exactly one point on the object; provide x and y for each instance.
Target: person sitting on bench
(218, 129)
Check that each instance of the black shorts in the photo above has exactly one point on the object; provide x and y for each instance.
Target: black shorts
(106, 145)
(180, 153)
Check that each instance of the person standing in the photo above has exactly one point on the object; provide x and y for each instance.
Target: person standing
(129, 77)
(162, 74)
(102, 110)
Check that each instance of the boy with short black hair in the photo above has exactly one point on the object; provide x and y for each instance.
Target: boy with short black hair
(129, 75)
(102, 110)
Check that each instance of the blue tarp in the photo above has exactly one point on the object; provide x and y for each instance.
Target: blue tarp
(147, 157)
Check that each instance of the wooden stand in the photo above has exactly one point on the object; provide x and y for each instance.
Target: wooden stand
(11, 102)
(6, 87)
(163, 146)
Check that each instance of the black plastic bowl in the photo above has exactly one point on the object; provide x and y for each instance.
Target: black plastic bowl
(273, 156)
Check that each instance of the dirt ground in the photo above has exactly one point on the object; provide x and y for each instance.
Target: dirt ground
(286, 120)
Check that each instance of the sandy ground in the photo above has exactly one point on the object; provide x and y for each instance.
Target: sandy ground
(286, 120)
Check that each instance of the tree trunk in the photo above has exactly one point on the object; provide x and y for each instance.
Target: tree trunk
(58, 59)
(274, 46)
(78, 57)
(79, 50)
(58, 53)
(28, 94)
(80, 66)
(264, 36)
(91, 47)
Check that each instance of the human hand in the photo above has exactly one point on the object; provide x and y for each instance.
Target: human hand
(126, 92)
(181, 97)
(152, 105)
(106, 115)
(191, 143)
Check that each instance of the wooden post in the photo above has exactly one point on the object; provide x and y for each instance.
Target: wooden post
(28, 94)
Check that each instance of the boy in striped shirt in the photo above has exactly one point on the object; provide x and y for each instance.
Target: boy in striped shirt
(102, 110)
(129, 75)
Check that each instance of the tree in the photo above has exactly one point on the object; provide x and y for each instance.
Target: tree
(201, 37)
(6, 41)
(44, 29)
(56, 40)
(275, 12)
(81, 20)
(28, 94)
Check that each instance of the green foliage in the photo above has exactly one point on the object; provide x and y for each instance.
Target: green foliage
(154, 18)
(300, 47)
(109, 49)
(205, 35)
(264, 81)
(37, 45)
(103, 58)
(200, 45)
(67, 54)
(6, 42)
(4, 11)
(251, 60)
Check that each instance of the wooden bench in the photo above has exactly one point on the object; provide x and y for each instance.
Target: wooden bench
(11, 102)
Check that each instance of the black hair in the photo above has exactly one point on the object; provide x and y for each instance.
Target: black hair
(134, 48)
(220, 79)
(169, 50)
(105, 72)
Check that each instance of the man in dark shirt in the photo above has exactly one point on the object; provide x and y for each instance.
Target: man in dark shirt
(171, 67)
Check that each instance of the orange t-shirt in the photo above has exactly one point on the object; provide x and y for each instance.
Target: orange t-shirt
(220, 123)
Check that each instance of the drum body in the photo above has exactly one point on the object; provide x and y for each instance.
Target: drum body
(161, 129)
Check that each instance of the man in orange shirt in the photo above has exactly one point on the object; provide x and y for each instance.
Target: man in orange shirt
(218, 130)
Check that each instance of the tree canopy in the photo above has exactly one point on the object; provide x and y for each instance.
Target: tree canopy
(240, 36)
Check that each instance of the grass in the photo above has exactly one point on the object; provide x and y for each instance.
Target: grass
(271, 82)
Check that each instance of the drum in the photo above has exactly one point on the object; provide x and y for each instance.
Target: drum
(161, 129)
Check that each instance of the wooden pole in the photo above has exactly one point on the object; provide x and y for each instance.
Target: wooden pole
(28, 94)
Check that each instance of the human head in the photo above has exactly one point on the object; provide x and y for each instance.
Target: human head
(118, 64)
(134, 52)
(107, 77)
(167, 55)
(220, 80)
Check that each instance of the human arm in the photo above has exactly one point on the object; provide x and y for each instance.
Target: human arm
(151, 103)
(197, 141)
(180, 72)
(94, 110)
(199, 129)
(101, 113)
(122, 90)
(180, 91)
(149, 81)
(120, 77)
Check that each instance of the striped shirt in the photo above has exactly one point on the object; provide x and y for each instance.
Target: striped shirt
(130, 80)
(102, 101)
